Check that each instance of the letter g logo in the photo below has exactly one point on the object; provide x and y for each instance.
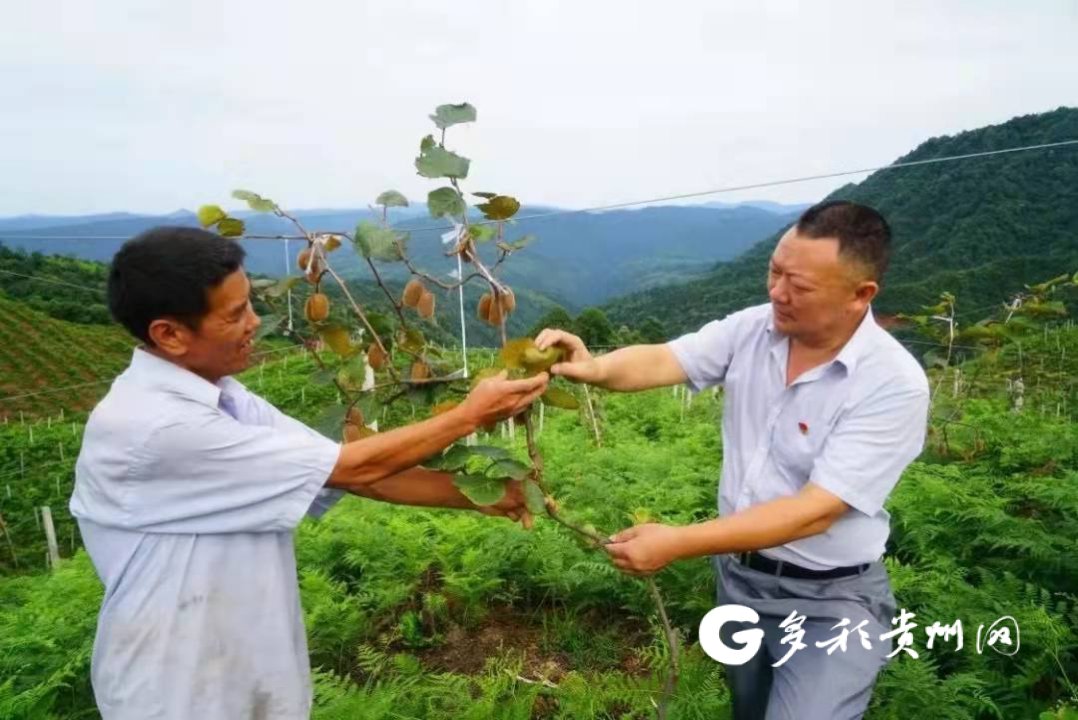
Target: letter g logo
(713, 645)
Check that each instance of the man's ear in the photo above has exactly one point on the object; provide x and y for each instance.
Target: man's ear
(867, 290)
(170, 336)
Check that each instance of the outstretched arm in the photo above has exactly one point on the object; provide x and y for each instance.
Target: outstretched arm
(432, 488)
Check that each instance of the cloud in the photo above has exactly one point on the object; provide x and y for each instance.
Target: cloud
(151, 106)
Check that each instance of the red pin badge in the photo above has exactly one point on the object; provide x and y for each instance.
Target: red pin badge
(804, 428)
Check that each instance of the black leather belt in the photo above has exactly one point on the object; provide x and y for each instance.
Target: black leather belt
(756, 561)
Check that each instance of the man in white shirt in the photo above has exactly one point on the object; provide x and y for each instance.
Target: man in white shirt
(188, 488)
(823, 411)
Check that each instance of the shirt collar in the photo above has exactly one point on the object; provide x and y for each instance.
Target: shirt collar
(158, 372)
(855, 347)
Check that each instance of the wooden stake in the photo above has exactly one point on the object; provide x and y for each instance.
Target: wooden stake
(594, 422)
(50, 536)
(11, 545)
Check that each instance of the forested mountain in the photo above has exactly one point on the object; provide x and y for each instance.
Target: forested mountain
(578, 259)
(979, 228)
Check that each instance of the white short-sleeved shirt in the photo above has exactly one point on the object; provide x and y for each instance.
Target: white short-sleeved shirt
(851, 426)
(187, 511)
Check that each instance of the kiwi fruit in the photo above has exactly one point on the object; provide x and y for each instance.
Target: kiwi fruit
(316, 266)
(352, 432)
(317, 308)
(483, 311)
(303, 259)
(376, 357)
(425, 306)
(508, 301)
(420, 371)
(496, 314)
(414, 291)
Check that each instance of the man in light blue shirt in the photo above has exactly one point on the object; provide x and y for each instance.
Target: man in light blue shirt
(188, 488)
(823, 411)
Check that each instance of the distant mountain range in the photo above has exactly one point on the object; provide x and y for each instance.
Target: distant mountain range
(980, 228)
(579, 259)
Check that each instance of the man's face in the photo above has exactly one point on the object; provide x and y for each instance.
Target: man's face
(815, 293)
(222, 344)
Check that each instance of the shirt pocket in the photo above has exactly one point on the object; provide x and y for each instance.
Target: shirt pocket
(797, 440)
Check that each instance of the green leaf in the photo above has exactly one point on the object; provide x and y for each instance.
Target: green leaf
(509, 468)
(384, 325)
(269, 325)
(392, 198)
(353, 373)
(449, 115)
(486, 195)
(370, 405)
(489, 451)
(323, 377)
(445, 201)
(336, 337)
(480, 233)
(230, 227)
(480, 489)
(379, 243)
(282, 286)
(556, 397)
(330, 422)
(437, 162)
(522, 242)
(534, 498)
(255, 201)
(454, 459)
(426, 143)
(411, 340)
(501, 207)
(210, 214)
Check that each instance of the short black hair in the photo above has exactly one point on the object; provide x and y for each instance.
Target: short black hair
(168, 271)
(863, 235)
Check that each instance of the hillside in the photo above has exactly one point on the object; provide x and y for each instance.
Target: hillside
(578, 259)
(62, 287)
(980, 228)
(39, 353)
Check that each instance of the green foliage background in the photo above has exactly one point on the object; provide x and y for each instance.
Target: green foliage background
(437, 614)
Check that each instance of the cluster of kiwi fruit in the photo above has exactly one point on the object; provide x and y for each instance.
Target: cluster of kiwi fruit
(417, 296)
(317, 307)
(495, 307)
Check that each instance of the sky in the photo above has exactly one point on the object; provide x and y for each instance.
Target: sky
(156, 105)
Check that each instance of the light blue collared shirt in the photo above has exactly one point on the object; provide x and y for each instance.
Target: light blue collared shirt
(187, 494)
(850, 426)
